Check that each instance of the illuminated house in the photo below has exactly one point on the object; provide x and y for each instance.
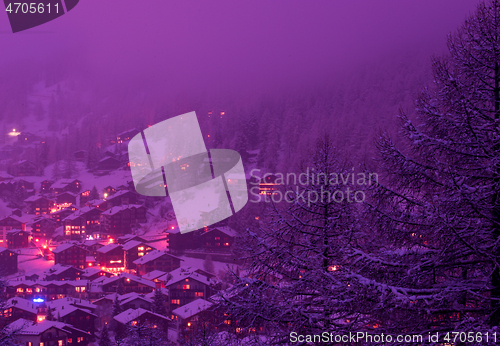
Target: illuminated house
(129, 237)
(70, 254)
(93, 245)
(57, 333)
(268, 185)
(157, 260)
(126, 135)
(22, 168)
(84, 197)
(39, 205)
(120, 198)
(60, 272)
(73, 315)
(135, 300)
(8, 223)
(131, 283)
(95, 273)
(85, 221)
(59, 215)
(218, 239)
(63, 185)
(43, 227)
(119, 220)
(45, 186)
(8, 262)
(17, 239)
(65, 199)
(185, 285)
(74, 226)
(16, 308)
(135, 249)
(133, 317)
(108, 191)
(66, 288)
(178, 242)
(111, 257)
(188, 316)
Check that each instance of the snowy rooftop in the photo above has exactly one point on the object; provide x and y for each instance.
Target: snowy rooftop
(152, 256)
(131, 314)
(63, 247)
(191, 309)
(131, 277)
(153, 275)
(180, 274)
(22, 304)
(133, 243)
(108, 248)
(57, 269)
(226, 230)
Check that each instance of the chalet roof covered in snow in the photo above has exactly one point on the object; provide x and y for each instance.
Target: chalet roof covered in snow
(181, 273)
(60, 184)
(151, 256)
(153, 274)
(130, 315)
(18, 325)
(22, 304)
(54, 304)
(191, 309)
(39, 328)
(108, 248)
(226, 230)
(116, 209)
(133, 243)
(131, 277)
(58, 269)
(35, 198)
(64, 247)
(133, 296)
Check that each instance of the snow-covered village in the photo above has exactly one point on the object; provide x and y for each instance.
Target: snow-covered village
(250, 173)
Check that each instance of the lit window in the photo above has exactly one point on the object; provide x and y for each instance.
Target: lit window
(198, 294)
(226, 244)
(59, 343)
(140, 254)
(29, 290)
(176, 301)
(20, 290)
(70, 340)
(185, 287)
(140, 248)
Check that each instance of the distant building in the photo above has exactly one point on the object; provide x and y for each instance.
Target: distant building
(57, 333)
(80, 155)
(43, 227)
(111, 257)
(60, 272)
(63, 185)
(219, 239)
(39, 205)
(135, 249)
(133, 317)
(188, 317)
(22, 168)
(8, 262)
(65, 199)
(70, 254)
(108, 163)
(17, 239)
(120, 198)
(131, 283)
(157, 260)
(45, 186)
(119, 220)
(8, 223)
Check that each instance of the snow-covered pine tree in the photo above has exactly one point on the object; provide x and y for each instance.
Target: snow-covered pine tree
(50, 315)
(299, 273)
(104, 339)
(439, 206)
(158, 305)
(117, 308)
(93, 193)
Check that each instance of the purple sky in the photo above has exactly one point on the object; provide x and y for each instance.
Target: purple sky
(235, 44)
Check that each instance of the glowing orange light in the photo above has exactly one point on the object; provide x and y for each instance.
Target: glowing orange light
(37, 240)
(189, 324)
(90, 264)
(172, 227)
(45, 246)
(111, 240)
